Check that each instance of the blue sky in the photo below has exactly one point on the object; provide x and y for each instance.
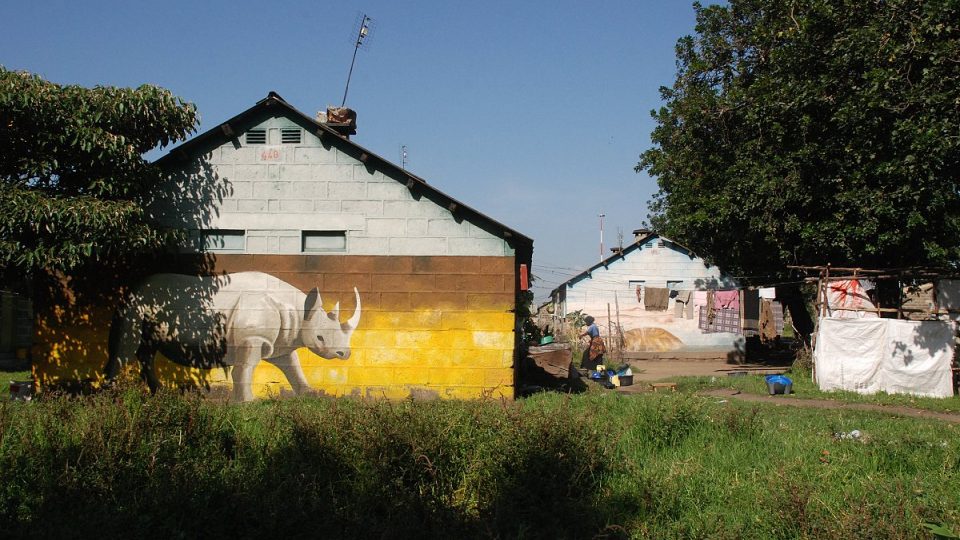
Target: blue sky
(534, 112)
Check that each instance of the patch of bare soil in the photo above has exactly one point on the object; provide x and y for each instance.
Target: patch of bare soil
(829, 404)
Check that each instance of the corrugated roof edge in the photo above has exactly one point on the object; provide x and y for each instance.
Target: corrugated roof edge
(520, 242)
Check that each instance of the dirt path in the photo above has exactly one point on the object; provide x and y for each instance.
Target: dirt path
(830, 404)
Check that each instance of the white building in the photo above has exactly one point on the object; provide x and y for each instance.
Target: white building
(624, 283)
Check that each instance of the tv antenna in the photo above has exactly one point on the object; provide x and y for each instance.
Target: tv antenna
(601, 215)
(365, 27)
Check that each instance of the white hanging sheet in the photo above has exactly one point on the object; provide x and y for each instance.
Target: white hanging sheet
(889, 355)
(851, 295)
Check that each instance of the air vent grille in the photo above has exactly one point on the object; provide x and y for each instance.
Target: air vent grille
(290, 136)
(256, 136)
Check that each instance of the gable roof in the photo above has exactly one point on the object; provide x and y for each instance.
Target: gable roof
(273, 103)
(637, 244)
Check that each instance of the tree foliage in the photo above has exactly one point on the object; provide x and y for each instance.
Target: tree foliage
(75, 182)
(813, 131)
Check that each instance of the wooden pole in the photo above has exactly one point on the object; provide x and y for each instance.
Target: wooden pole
(616, 302)
(609, 323)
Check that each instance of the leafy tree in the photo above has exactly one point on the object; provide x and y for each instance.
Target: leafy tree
(75, 182)
(813, 131)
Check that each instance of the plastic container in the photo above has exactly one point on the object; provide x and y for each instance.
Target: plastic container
(779, 384)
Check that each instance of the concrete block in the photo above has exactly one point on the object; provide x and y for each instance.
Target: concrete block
(421, 208)
(417, 227)
(241, 189)
(391, 191)
(360, 245)
(252, 205)
(290, 244)
(270, 190)
(477, 246)
(307, 190)
(326, 207)
(262, 244)
(219, 172)
(386, 227)
(347, 190)
(250, 172)
(367, 208)
(448, 227)
(295, 172)
(332, 172)
(273, 171)
(347, 159)
(228, 205)
(229, 154)
(273, 206)
(314, 154)
(418, 246)
(296, 205)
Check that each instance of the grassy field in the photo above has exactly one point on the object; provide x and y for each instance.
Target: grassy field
(804, 387)
(551, 466)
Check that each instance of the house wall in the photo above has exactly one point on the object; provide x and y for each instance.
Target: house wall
(437, 291)
(657, 333)
(274, 192)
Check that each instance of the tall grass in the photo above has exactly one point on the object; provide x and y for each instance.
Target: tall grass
(123, 463)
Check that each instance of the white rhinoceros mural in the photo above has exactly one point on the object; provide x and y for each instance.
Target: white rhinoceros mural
(231, 320)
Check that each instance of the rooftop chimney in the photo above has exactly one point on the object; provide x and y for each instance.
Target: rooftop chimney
(340, 119)
(641, 233)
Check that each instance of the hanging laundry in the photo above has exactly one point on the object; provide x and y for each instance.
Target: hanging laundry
(681, 303)
(724, 320)
(726, 299)
(699, 302)
(770, 293)
(768, 330)
(751, 311)
(847, 299)
(655, 298)
(711, 306)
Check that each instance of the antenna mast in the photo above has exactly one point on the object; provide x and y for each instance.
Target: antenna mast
(364, 30)
(601, 216)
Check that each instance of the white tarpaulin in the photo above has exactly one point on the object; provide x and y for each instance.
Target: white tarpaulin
(848, 299)
(888, 355)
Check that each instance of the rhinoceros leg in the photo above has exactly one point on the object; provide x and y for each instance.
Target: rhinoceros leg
(293, 371)
(145, 354)
(247, 358)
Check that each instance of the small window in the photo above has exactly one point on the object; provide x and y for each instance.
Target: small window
(290, 135)
(256, 136)
(320, 241)
(223, 240)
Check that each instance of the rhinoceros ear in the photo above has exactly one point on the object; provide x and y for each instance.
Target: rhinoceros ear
(312, 304)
